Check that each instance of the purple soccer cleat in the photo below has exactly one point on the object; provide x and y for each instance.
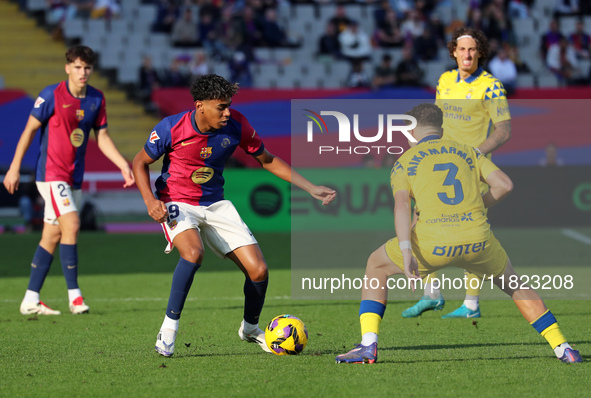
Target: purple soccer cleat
(360, 354)
(571, 356)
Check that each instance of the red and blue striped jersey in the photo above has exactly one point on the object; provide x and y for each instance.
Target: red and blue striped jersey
(193, 164)
(66, 122)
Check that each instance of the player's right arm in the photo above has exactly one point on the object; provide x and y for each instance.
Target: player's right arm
(141, 171)
(500, 135)
(13, 176)
(402, 224)
(402, 219)
(500, 116)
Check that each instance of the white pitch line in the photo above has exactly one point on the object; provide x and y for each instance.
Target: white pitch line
(155, 299)
(576, 236)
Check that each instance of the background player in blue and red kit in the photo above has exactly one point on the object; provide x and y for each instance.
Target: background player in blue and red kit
(190, 200)
(65, 113)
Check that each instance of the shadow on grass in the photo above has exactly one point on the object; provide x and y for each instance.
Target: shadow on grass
(432, 347)
(466, 359)
(214, 354)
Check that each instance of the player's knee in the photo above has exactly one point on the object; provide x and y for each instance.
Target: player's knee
(69, 226)
(74, 228)
(373, 261)
(192, 254)
(53, 238)
(258, 273)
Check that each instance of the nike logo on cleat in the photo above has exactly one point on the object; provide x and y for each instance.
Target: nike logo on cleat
(253, 340)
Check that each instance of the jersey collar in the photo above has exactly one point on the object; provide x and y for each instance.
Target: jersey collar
(429, 138)
(72, 95)
(194, 124)
(472, 77)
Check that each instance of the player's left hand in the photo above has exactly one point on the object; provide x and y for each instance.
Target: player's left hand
(128, 177)
(325, 194)
(12, 180)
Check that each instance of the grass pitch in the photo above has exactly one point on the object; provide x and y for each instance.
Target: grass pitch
(126, 281)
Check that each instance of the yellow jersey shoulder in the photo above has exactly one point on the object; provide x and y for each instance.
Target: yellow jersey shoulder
(446, 80)
(494, 88)
(480, 85)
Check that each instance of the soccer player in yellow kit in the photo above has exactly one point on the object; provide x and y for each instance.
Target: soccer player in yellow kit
(443, 178)
(475, 113)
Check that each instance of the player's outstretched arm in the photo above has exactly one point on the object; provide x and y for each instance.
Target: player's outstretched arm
(500, 186)
(13, 175)
(500, 135)
(141, 170)
(107, 146)
(402, 224)
(284, 171)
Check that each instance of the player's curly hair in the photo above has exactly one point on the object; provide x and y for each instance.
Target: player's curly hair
(85, 54)
(208, 87)
(481, 43)
(427, 114)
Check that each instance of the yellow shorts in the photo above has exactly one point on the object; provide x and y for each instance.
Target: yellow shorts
(481, 258)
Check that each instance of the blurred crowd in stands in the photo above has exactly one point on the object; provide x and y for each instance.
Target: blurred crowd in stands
(61, 10)
(229, 31)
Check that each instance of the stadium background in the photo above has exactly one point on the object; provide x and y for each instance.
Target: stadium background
(109, 353)
(32, 58)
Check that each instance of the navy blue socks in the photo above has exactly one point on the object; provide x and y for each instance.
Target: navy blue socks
(39, 269)
(254, 298)
(69, 259)
(182, 279)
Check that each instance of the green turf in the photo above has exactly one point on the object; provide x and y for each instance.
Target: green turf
(126, 280)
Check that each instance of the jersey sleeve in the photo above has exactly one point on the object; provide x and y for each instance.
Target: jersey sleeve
(495, 102)
(485, 165)
(159, 140)
(101, 118)
(250, 141)
(44, 104)
(399, 180)
(437, 94)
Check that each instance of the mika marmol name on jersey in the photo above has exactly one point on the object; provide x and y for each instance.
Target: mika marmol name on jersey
(414, 162)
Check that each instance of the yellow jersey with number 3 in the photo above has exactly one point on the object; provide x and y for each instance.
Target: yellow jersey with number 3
(471, 107)
(443, 177)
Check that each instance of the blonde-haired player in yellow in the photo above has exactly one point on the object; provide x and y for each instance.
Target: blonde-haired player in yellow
(443, 178)
(475, 113)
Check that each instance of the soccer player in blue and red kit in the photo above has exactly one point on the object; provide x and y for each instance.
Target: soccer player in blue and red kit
(65, 113)
(190, 200)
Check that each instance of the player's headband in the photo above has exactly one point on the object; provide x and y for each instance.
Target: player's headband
(465, 36)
